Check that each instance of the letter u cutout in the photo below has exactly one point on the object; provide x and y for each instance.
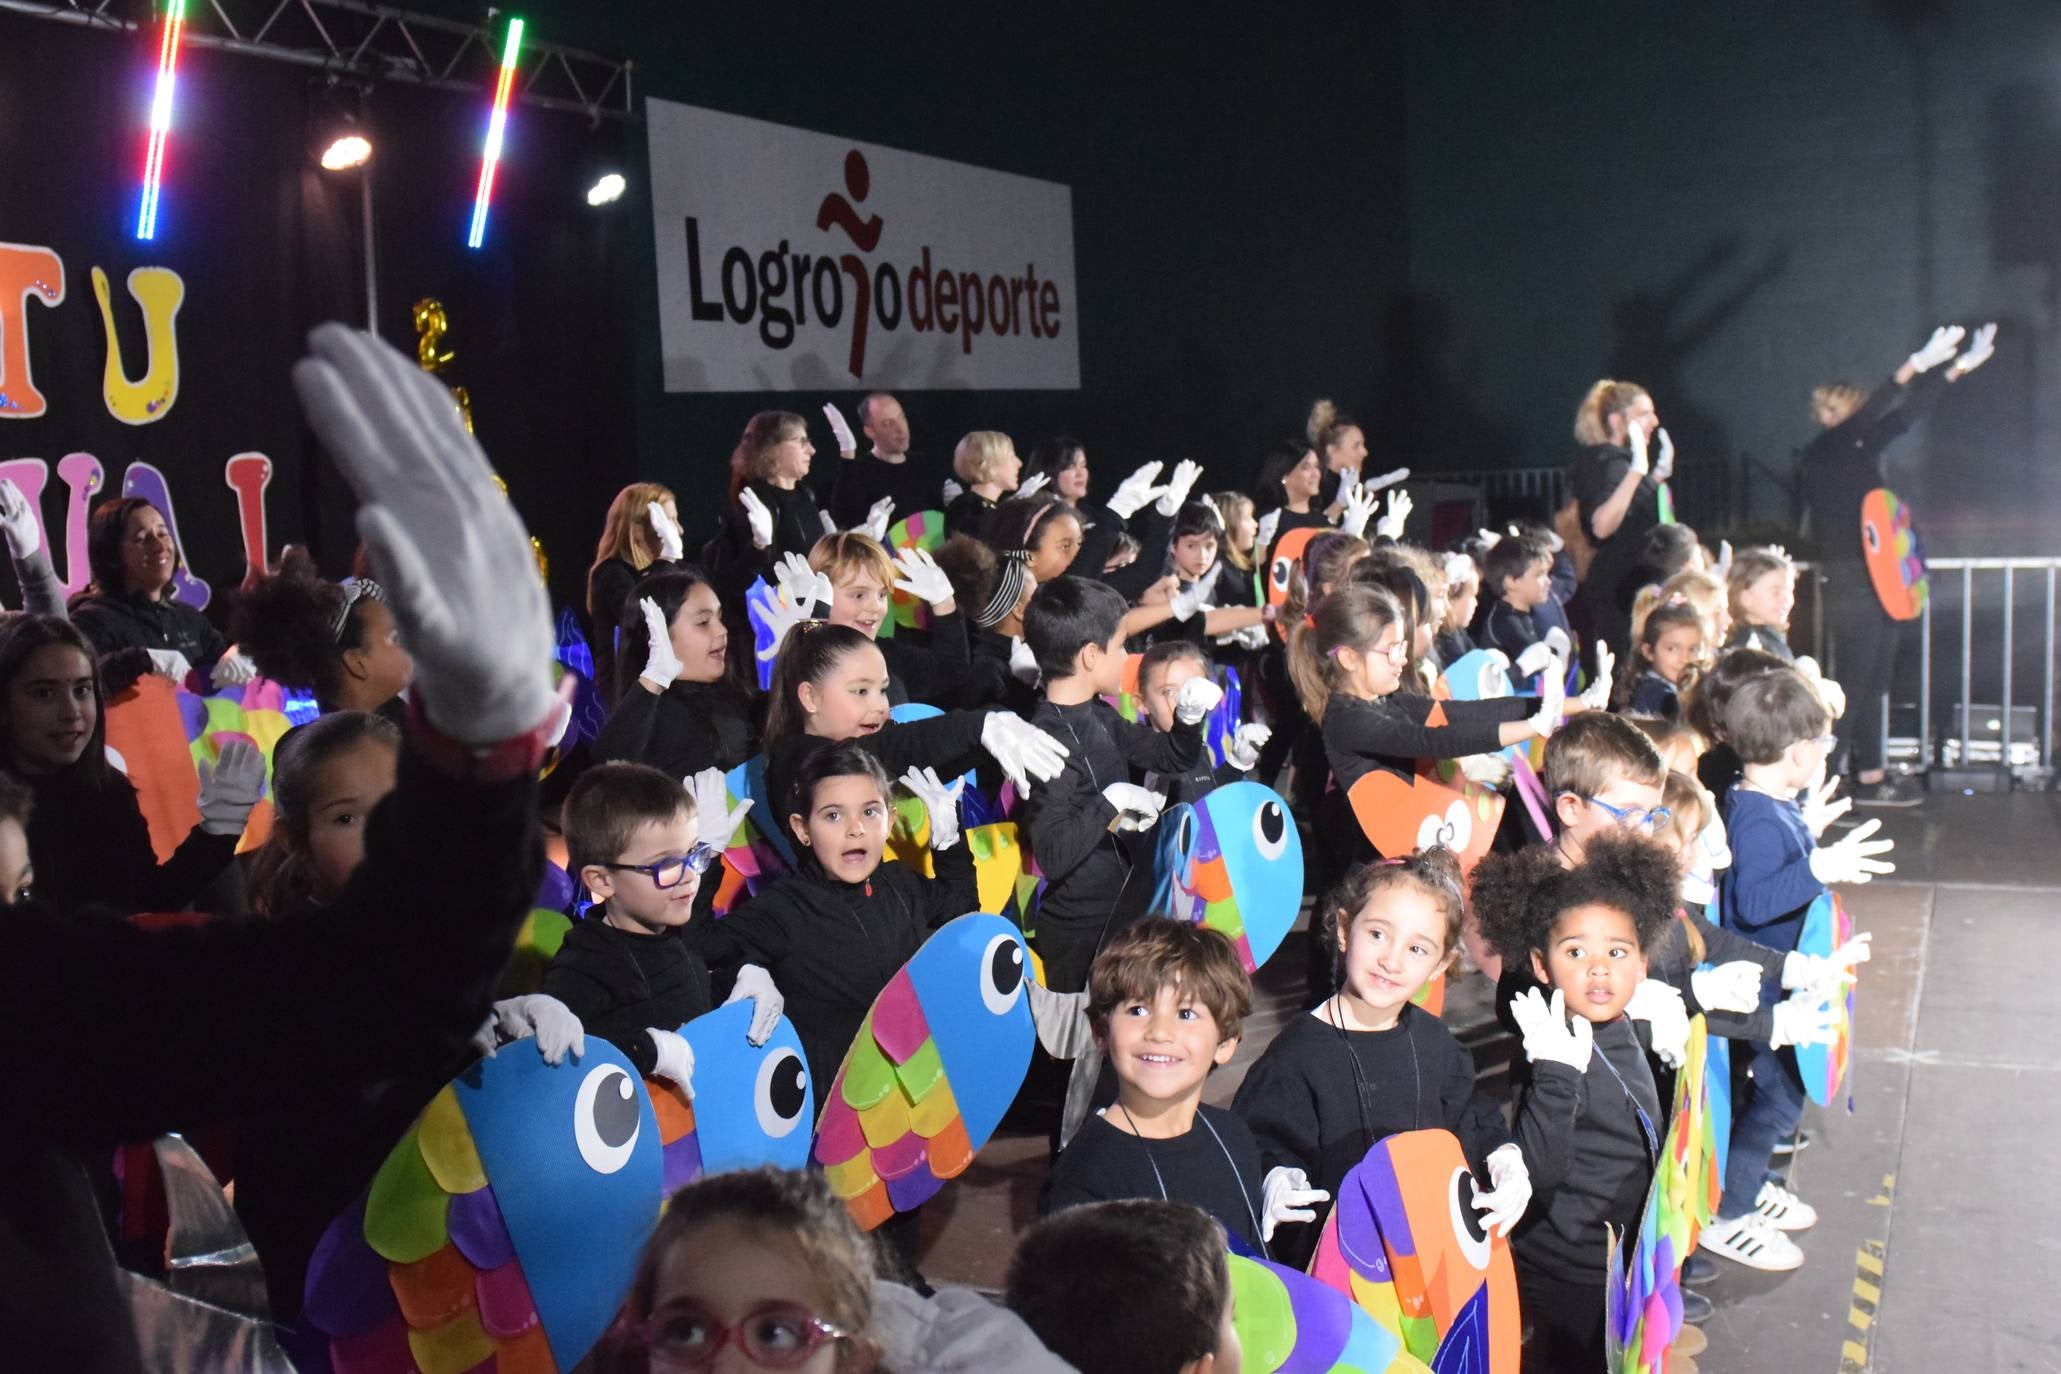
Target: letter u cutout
(160, 292)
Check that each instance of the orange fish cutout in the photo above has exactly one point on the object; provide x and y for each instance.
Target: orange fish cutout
(1437, 806)
(1282, 562)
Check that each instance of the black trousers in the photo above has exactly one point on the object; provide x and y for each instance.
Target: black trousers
(1864, 641)
(1566, 1321)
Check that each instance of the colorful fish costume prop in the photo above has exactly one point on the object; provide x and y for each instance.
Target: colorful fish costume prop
(937, 1061)
(1895, 558)
(1484, 675)
(759, 851)
(1826, 926)
(540, 935)
(923, 529)
(1405, 1243)
(1289, 1322)
(162, 732)
(1232, 861)
(502, 1231)
(1282, 561)
(1436, 805)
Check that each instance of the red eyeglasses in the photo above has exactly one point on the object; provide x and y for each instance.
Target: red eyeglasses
(773, 1335)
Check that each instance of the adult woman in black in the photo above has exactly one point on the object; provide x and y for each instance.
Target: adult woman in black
(131, 612)
(1617, 487)
(1840, 467)
(640, 535)
(772, 511)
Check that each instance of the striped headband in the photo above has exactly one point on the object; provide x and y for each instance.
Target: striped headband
(355, 589)
(1010, 574)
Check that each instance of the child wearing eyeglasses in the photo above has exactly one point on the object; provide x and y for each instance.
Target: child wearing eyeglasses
(627, 971)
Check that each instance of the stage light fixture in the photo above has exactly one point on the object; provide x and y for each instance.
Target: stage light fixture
(346, 152)
(497, 123)
(160, 117)
(607, 190)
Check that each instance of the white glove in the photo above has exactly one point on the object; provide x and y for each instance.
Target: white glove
(1733, 987)
(875, 524)
(1829, 692)
(230, 786)
(951, 490)
(1023, 750)
(1136, 808)
(1253, 637)
(1390, 526)
(1806, 1018)
(1552, 702)
(1819, 810)
(661, 665)
(802, 586)
(1489, 539)
(550, 1020)
(781, 619)
(447, 545)
(1135, 492)
(18, 522)
(1198, 697)
(1488, 770)
(1635, 438)
(1800, 970)
(1502, 1206)
(766, 1002)
(718, 820)
(1348, 478)
(1723, 568)
(847, 442)
(1178, 486)
(1023, 664)
(758, 517)
(1287, 1196)
(1263, 539)
(1852, 859)
(1661, 1007)
(1664, 461)
(1359, 504)
(668, 532)
(1386, 480)
(675, 1060)
(918, 574)
(1535, 659)
(1596, 696)
(1944, 343)
(940, 800)
(1243, 752)
(232, 669)
(169, 663)
(1980, 349)
(1548, 1037)
(1033, 484)
(1186, 601)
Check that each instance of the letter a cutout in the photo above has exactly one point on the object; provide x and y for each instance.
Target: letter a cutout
(27, 272)
(160, 291)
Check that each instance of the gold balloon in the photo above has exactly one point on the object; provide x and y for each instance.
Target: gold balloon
(431, 324)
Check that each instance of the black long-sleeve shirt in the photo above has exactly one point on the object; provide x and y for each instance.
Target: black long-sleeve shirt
(1844, 463)
(92, 846)
(1065, 822)
(1616, 571)
(1671, 960)
(621, 984)
(831, 947)
(1309, 1109)
(196, 1025)
(863, 479)
(680, 731)
(1390, 732)
(1104, 1163)
(935, 670)
(949, 743)
(122, 629)
(609, 585)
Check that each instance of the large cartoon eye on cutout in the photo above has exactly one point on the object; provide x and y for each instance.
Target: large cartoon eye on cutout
(1001, 973)
(605, 1123)
(1270, 830)
(1495, 678)
(781, 1092)
(1472, 1237)
(1871, 536)
(1453, 830)
(1278, 574)
(1187, 832)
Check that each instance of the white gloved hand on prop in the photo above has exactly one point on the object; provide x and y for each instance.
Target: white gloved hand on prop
(1548, 1037)
(718, 819)
(1981, 349)
(1136, 492)
(847, 442)
(875, 526)
(661, 665)
(758, 517)
(1197, 698)
(1944, 343)
(1819, 810)
(1390, 526)
(1136, 808)
(918, 574)
(558, 1031)
(1021, 749)
(1596, 696)
(1358, 506)
(675, 1060)
(1534, 658)
(766, 1002)
(1822, 972)
(1806, 1018)
(667, 531)
(1488, 770)
(940, 801)
(802, 586)
(230, 786)
(1852, 859)
(1243, 752)
(1287, 1196)
(1733, 987)
(170, 663)
(1033, 484)
(1178, 486)
(232, 669)
(1664, 460)
(18, 522)
(1660, 1006)
(1184, 602)
(1023, 664)
(447, 546)
(1502, 1205)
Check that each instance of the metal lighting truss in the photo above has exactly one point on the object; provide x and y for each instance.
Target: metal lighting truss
(376, 42)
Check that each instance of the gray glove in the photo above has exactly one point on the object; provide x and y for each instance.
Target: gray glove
(230, 787)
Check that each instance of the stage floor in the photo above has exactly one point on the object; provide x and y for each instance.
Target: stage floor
(1937, 1240)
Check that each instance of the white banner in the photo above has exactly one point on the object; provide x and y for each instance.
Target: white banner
(794, 261)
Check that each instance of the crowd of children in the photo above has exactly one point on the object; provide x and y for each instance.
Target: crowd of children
(1689, 799)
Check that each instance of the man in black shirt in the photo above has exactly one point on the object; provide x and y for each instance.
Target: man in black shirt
(889, 470)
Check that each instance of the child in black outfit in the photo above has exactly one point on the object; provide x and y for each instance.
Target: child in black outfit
(1670, 650)
(1517, 575)
(1166, 1000)
(1163, 670)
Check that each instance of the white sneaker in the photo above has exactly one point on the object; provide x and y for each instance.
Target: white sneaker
(1750, 1241)
(1782, 1209)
